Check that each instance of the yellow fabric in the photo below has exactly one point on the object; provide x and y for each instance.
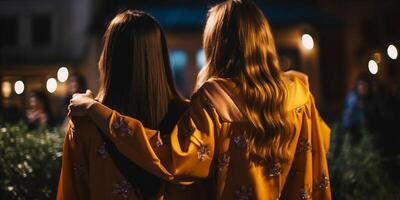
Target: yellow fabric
(211, 154)
(87, 171)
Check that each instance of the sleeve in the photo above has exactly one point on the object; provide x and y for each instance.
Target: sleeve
(73, 183)
(183, 156)
(309, 176)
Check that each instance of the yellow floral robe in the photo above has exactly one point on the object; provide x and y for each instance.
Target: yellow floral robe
(208, 147)
(87, 171)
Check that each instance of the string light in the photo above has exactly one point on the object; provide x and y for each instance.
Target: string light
(62, 74)
(392, 52)
(373, 67)
(6, 89)
(51, 85)
(308, 41)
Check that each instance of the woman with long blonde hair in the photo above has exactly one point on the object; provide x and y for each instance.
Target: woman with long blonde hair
(251, 132)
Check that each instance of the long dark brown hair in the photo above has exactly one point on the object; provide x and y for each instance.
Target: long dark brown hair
(136, 80)
(135, 73)
(239, 44)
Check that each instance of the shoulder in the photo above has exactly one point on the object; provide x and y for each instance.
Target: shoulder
(298, 92)
(220, 94)
(302, 77)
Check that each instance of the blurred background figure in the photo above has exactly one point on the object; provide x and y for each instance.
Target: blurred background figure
(356, 103)
(368, 106)
(359, 106)
(39, 113)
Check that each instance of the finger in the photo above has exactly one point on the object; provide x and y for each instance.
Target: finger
(69, 111)
(77, 94)
(89, 93)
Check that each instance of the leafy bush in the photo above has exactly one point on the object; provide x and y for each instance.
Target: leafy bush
(29, 162)
(357, 168)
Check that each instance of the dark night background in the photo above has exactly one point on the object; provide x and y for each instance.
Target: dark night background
(37, 37)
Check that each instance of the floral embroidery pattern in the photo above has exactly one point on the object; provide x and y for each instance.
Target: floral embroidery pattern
(77, 168)
(323, 183)
(202, 153)
(223, 161)
(275, 170)
(244, 193)
(241, 140)
(101, 150)
(303, 146)
(122, 189)
(159, 143)
(305, 193)
(121, 127)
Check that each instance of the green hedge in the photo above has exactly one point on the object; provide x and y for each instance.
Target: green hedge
(29, 162)
(358, 168)
(30, 165)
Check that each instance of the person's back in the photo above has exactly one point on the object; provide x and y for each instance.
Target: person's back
(241, 176)
(135, 79)
(91, 171)
(210, 147)
(252, 131)
(88, 170)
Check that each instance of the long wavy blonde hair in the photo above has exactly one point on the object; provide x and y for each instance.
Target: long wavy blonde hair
(238, 44)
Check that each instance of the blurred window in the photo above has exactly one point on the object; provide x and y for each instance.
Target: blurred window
(41, 30)
(179, 61)
(9, 31)
(200, 59)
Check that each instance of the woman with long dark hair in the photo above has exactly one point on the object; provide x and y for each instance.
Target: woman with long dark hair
(251, 132)
(136, 80)
(39, 113)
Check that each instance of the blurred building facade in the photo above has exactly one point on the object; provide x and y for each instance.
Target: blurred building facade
(45, 35)
(38, 37)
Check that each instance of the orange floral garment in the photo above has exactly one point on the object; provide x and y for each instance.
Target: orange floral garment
(208, 148)
(87, 171)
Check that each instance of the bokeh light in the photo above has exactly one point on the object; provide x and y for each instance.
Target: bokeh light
(373, 67)
(6, 89)
(62, 74)
(308, 41)
(51, 85)
(200, 59)
(392, 52)
(179, 59)
(19, 87)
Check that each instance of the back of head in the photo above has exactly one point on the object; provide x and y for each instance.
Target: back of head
(135, 73)
(239, 44)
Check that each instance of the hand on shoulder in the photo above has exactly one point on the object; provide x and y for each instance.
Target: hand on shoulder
(80, 103)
